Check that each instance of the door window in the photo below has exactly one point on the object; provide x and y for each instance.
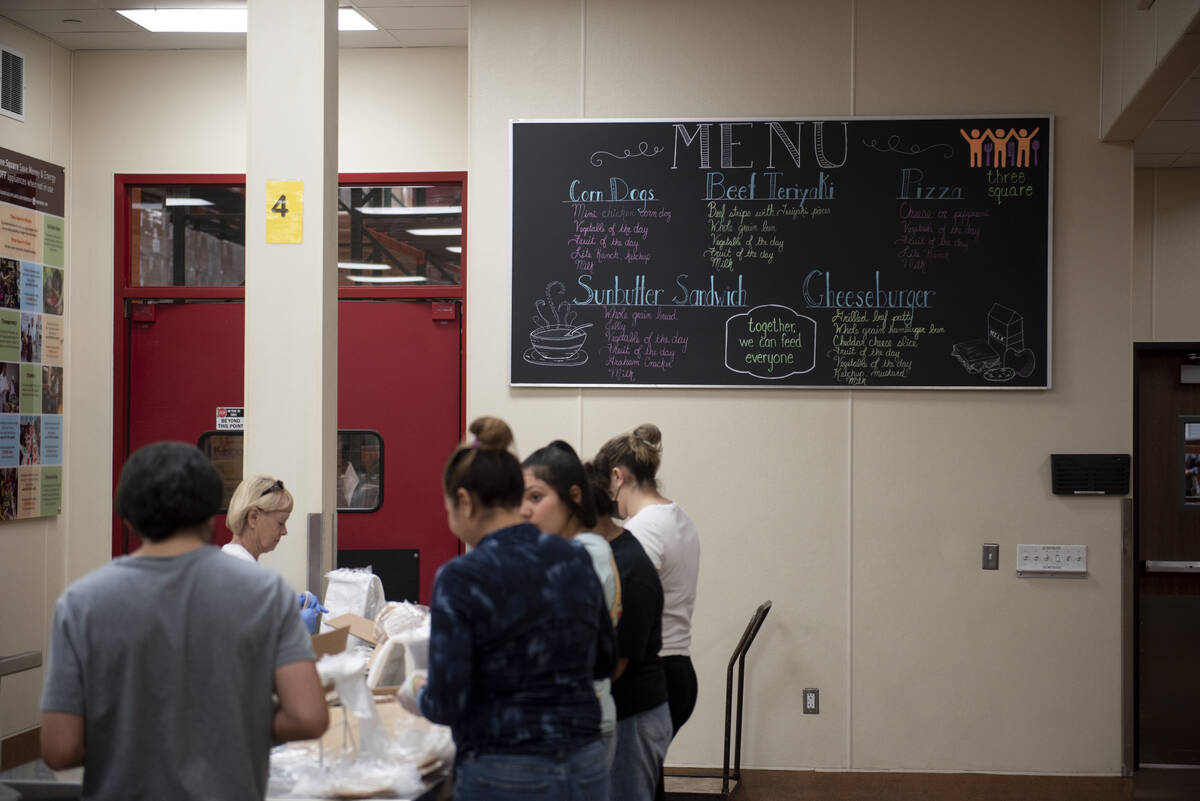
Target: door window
(359, 472)
(187, 235)
(1189, 447)
(400, 234)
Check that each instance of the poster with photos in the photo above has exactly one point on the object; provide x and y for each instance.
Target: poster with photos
(32, 324)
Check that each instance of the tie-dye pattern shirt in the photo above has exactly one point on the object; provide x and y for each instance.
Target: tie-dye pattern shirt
(519, 629)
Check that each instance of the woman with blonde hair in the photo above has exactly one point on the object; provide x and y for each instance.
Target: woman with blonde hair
(669, 537)
(257, 517)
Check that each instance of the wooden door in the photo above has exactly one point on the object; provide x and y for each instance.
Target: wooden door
(1167, 530)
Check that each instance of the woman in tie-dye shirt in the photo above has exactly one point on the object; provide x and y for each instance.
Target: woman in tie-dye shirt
(519, 631)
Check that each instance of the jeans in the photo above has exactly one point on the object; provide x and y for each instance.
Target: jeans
(642, 741)
(579, 775)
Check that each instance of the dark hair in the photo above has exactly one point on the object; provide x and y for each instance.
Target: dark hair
(558, 465)
(165, 487)
(598, 481)
(485, 467)
(639, 452)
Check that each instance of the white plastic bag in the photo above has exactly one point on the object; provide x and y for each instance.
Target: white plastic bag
(355, 591)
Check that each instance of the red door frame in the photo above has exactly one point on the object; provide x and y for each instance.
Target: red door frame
(124, 293)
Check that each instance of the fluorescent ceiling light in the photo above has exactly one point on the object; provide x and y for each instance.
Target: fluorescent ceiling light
(388, 279)
(187, 20)
(396, 211)
(218, 20)
(454, 249)
(187, 201)
(361, 265)
(435, 231)
(350, 20)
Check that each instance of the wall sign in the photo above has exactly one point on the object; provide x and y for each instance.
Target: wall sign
(231, 418)
(285, 212)
(32, 314)
(899, 252)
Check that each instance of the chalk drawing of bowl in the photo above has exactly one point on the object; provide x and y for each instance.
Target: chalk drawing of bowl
(557, 343)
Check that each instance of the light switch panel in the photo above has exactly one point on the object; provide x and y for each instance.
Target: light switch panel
(1052, 559)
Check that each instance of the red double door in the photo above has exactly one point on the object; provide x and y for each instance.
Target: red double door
(399, 375)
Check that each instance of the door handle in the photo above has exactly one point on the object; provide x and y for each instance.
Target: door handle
(1166, 566)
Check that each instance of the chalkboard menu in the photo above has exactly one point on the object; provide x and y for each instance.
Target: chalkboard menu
(900, 252)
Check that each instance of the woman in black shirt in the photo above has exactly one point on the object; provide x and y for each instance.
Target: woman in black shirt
(639, 685)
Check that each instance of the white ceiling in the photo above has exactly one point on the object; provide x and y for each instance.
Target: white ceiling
(95, 24)
(1173, 138)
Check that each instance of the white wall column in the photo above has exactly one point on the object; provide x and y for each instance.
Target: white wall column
(291, 289)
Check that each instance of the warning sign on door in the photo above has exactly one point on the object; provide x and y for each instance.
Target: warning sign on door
(230, 418)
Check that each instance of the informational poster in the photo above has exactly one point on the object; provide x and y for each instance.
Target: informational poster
(33, 233)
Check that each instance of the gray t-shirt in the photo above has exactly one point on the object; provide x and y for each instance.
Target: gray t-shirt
(171, 662)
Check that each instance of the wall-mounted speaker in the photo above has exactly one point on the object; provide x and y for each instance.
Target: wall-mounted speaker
(1090, 473)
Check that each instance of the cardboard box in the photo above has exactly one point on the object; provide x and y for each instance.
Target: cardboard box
(331, 642)
(359, 626)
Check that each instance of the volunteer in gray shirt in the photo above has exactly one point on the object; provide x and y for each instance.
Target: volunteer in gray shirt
(163, 663)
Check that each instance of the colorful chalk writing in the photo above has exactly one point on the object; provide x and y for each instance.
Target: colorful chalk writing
(858, 253)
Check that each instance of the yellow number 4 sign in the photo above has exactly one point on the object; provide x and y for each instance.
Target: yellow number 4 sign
(285, 212)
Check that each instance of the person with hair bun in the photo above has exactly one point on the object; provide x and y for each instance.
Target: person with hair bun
(519, 630)
(669, 537)
(639, 686)
(559, 501)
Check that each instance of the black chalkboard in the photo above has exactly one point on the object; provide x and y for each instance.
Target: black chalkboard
(900, 252)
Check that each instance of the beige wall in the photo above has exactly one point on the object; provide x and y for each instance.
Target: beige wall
(184, 111)
(859, 514)
(31, 551)
(100, 113)
(1166, 263)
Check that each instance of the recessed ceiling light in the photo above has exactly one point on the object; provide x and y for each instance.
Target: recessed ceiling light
(350, 20)
(217, 20)
(454, 249)
(187, 20)
(435, 231)
(385, 211)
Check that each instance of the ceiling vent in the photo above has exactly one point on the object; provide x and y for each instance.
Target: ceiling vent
(12, 84)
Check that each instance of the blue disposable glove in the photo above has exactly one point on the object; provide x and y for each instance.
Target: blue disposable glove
(310, 607)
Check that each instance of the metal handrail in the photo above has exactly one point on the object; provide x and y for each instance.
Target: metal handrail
(19, 663)
(739, 658)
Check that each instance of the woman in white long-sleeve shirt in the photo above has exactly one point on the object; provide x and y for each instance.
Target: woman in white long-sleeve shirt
(670, 539)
